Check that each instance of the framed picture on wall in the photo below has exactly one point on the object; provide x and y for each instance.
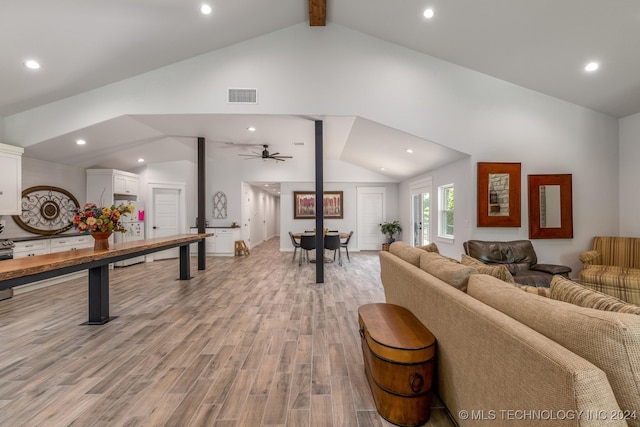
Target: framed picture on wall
(498, 194)
(304, 204)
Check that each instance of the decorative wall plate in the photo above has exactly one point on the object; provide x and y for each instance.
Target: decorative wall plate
(47, 210)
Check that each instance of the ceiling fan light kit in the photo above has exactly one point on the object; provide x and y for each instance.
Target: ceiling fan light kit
(265, 155)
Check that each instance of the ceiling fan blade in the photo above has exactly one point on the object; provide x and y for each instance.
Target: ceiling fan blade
(282, 157)
(255, 156)
(274, 154)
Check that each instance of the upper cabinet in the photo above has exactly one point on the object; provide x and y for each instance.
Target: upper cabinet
(125, 184)
(105, 185)
(11, 182)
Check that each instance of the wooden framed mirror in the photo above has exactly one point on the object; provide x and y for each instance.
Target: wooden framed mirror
(550, 207)
(498, 194)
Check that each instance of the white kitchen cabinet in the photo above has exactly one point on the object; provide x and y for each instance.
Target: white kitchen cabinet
(11, 182)
(225, 238)
(26, 248)
(103, 184)
(72, 242)
(221, 244)
(125, 184)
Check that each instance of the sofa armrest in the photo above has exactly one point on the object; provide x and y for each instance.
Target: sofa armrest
(552, 268)
(590, 257)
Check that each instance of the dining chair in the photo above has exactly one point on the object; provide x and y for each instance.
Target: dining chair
(345, 245)
(295, 244)
(332, 243)
(307, 243)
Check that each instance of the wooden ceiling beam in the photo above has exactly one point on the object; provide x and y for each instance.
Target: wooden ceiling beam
(317, 13)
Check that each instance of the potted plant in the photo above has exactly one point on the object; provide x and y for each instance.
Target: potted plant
(390, 228)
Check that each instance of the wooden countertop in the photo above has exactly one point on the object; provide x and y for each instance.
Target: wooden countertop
(14, 268)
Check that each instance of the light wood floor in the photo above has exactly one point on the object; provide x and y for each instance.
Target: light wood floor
(251, 341)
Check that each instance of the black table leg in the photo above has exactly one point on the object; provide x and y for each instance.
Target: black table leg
(202, 255)
(99, 295)
(185, 268)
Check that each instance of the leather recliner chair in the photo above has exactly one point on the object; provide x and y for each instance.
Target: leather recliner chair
(520, 259)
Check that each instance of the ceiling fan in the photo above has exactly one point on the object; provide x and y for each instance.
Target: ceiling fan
(265, 155)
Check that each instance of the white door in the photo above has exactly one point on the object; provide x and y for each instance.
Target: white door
(246, 219)
(370, 215)
(166, 218)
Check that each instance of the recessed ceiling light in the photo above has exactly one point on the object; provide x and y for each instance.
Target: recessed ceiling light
(381, 169)
(32, 64)
(140, 160)
(205, 9)
(251, 129)
(81, 142)
(266, 185)
(409, 150)
(428, 13)
(591, 66)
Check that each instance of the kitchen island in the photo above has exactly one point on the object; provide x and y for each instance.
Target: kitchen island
(21, 271)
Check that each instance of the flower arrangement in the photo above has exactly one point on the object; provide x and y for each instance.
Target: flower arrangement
(105, 219)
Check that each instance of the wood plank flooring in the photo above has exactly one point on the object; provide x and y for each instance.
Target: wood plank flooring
(251, 341)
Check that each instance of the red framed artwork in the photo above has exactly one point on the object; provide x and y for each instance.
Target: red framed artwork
(304, 204)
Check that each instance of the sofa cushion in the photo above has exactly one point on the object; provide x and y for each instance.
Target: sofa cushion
(446, 269)
(611, 341)
(499, 271)
(566, 290)
(543, 292)
(406, 253)
(619, 251)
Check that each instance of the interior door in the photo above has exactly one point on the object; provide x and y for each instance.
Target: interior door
(370, 215)
(166, 218)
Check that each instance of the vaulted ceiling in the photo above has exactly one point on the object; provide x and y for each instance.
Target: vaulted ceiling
(542, 45)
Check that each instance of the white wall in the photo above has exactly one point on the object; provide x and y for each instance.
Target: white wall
(350, 203)
(458, 174)
(337, 71)
(629, 176)
(38, 172)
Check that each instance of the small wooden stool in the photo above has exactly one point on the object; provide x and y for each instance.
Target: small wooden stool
(240, 248)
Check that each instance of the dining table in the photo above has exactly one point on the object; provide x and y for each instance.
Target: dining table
(328, 233)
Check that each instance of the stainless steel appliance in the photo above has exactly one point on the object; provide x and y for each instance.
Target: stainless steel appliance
(6, 252)
(6, 249)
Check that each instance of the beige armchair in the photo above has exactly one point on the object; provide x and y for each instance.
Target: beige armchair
(612, 266)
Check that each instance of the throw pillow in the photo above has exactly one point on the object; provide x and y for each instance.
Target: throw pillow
(431, 247)
(499, 271)
(543, 292)
(447, 269)
(566, 290)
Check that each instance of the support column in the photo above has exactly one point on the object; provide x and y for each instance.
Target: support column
(202, 205)
(319, 200)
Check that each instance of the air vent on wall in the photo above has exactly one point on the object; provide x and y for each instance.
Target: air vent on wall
(242, 96)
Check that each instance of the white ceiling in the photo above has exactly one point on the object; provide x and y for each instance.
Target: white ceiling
(542, 45)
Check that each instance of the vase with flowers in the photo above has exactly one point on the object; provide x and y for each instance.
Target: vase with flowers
(100, 222)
